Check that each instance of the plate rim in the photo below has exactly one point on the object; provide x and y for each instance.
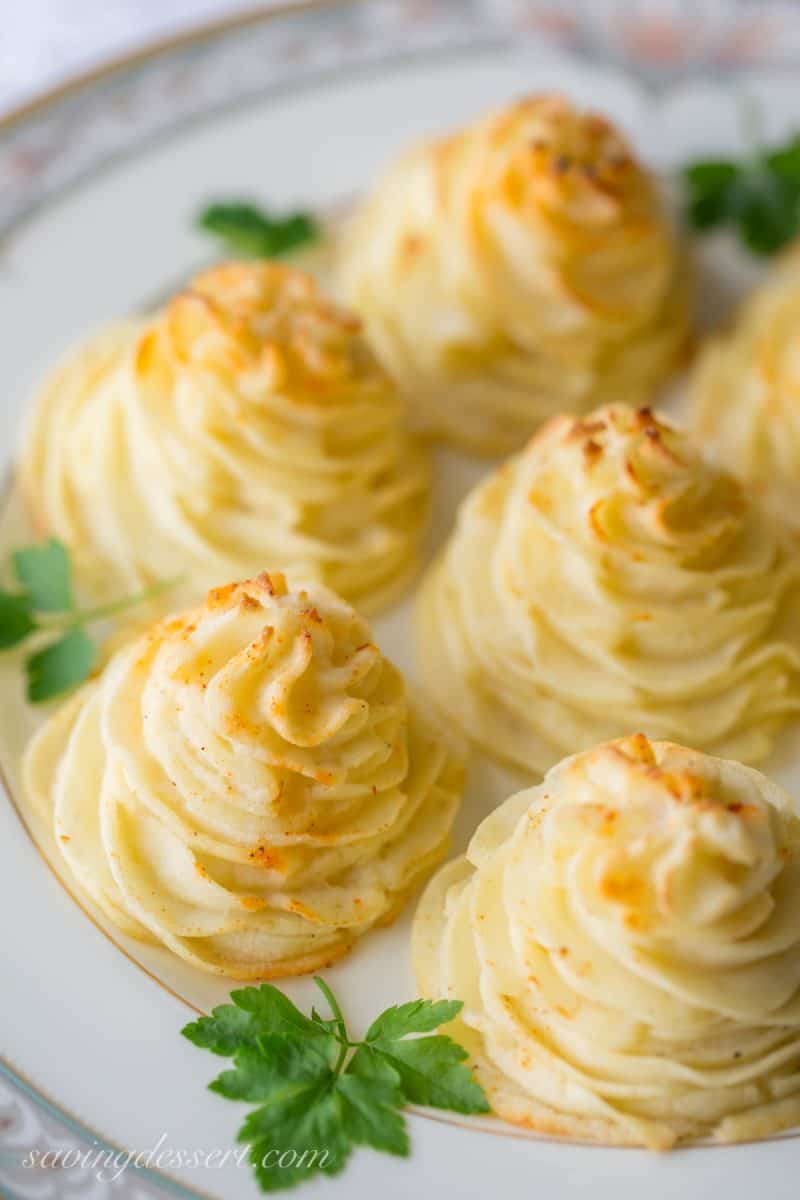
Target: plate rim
(40, 103)
(109, 65)
(41, 1099)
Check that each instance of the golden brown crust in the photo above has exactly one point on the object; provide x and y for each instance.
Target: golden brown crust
(248, 782)
(745, 391)
(609, 578)
(247, 423)
(622, 936)
(522, 266)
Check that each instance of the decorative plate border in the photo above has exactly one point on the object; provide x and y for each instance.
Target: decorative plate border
(31, 1123)
(50, 144)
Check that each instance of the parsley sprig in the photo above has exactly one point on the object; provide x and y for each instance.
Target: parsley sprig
(244, 229)
(318, 1094)
(41, 604)
(758, 196)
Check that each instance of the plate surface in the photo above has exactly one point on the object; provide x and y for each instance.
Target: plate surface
(89, 1019)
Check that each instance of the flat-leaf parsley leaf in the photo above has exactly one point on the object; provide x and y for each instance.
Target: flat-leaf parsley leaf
(244, 229)
(44, 608)
(758, 196)
(60, 666)
(318, 1093)
(44, 571)
(16, 618)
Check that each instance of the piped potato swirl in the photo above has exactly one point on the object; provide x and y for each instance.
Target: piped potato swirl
(519, 268)
(625, 940)
(247, 783)
(606, 579)
(745, 391)
(245, 423)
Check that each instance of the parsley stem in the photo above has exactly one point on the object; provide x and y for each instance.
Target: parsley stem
(338, 1017)
(750, 119)
(84, 616)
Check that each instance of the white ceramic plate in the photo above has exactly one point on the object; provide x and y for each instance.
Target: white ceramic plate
(89, 1020)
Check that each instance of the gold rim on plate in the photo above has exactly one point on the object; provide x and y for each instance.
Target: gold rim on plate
(113, 65)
